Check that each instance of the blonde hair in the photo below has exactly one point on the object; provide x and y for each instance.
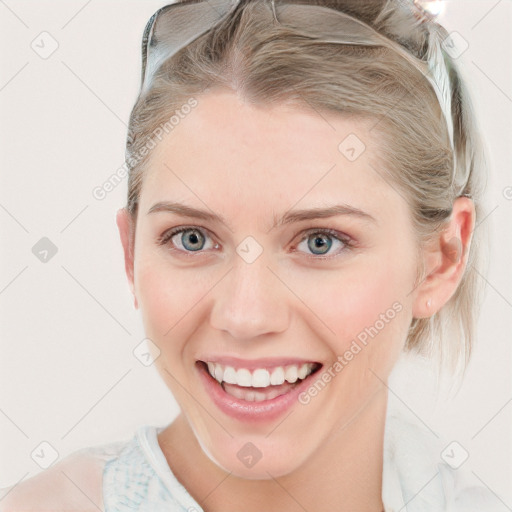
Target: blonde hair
(268, 63)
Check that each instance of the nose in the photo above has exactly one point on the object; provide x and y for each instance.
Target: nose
(250, 301)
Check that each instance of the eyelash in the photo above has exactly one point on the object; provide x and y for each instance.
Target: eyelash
(347, 242)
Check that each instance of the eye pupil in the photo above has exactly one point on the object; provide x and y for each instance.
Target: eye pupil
(323, 242)
(191, 239)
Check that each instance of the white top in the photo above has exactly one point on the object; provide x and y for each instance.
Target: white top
(134, 475)
(419, 475)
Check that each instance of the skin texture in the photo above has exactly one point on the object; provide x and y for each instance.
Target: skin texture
(251, 164)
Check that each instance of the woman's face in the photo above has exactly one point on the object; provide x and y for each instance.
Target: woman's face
(261, 289)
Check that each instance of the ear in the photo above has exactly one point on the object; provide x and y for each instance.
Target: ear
(126, 227)
(446, 260)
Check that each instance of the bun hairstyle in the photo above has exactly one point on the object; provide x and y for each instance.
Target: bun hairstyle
(405, 84)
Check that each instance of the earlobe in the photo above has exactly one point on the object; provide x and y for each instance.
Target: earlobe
(448, 257)
(126, 227)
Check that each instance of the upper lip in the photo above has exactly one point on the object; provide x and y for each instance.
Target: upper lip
(252, 364)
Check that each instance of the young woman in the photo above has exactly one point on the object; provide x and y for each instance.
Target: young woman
(305, 179)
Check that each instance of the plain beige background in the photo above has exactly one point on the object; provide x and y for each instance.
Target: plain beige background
(68, 374)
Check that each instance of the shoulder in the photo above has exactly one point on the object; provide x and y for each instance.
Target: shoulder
(73, 483)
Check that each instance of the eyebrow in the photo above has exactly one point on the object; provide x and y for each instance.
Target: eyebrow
(287, 218)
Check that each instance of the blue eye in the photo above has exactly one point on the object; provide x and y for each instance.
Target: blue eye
(191, 239)
(320, 242)
(186, 239)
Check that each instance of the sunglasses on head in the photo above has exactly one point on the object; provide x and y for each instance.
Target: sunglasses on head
(176, 25)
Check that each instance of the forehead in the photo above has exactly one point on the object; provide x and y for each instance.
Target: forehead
(229, 152)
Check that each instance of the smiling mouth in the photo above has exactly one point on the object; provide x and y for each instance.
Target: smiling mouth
(259, 384)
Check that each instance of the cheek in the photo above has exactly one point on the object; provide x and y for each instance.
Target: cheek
(366, 307)
(170, 305)
(365, 301)
(168, 298)
(380, 313)
(371, 301)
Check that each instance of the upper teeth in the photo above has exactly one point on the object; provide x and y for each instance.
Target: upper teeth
(260, 377)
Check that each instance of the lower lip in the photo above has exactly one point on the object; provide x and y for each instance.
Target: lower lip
(264, 411)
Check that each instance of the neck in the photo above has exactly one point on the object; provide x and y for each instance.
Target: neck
(344, 474)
